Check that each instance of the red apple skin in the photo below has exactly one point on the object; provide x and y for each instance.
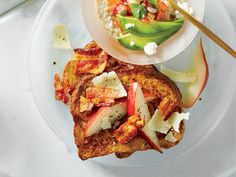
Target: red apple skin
(93, 118)
(132, 93)
(156, 147)
(96, 114)
(191, 100)
(133, 87)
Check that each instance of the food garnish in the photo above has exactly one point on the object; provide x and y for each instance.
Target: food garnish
(61, 37)
(192, 91)
(157, 123)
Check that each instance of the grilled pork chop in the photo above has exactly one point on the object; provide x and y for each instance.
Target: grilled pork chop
(167, 100)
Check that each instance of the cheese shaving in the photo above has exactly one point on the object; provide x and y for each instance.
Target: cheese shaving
(61, 37)
(110, 80)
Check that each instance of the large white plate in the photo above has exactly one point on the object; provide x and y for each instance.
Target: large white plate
(204, 116)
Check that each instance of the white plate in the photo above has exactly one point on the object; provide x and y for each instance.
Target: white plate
(166, 51)
(204, 116)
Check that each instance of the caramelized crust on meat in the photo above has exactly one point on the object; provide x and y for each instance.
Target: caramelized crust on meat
(151, 81)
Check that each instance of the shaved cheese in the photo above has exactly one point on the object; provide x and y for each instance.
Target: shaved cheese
(170, 137)
(179, 76)
(158, 124)
(105, 123)
(61, 37)
(176, 118)
(110, 80)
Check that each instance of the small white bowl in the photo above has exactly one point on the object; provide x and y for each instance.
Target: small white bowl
(166, 51)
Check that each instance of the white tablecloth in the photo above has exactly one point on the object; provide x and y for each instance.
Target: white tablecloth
(28, 147)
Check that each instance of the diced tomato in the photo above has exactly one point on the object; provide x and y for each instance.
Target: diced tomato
(163, 7)
(146, 4)
(120, 8)
(113, 2)
(161, 16)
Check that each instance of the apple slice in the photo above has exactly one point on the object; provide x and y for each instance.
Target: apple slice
(177, 76)
(192, 91)
(115, 112)
(138, 105)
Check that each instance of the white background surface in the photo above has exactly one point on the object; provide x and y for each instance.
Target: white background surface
(29, 148)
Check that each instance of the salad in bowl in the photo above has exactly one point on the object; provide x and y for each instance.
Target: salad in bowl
(141, 24)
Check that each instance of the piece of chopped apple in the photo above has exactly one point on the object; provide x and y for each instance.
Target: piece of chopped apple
(114, 113)
(138, 105)
(177, 76)
(106, 124)
(192, 91)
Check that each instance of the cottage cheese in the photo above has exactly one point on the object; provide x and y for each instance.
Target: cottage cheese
(133, 1)
(129, 25)
(105, 16)
(186, 7)
(150, 48)
(152, 10)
